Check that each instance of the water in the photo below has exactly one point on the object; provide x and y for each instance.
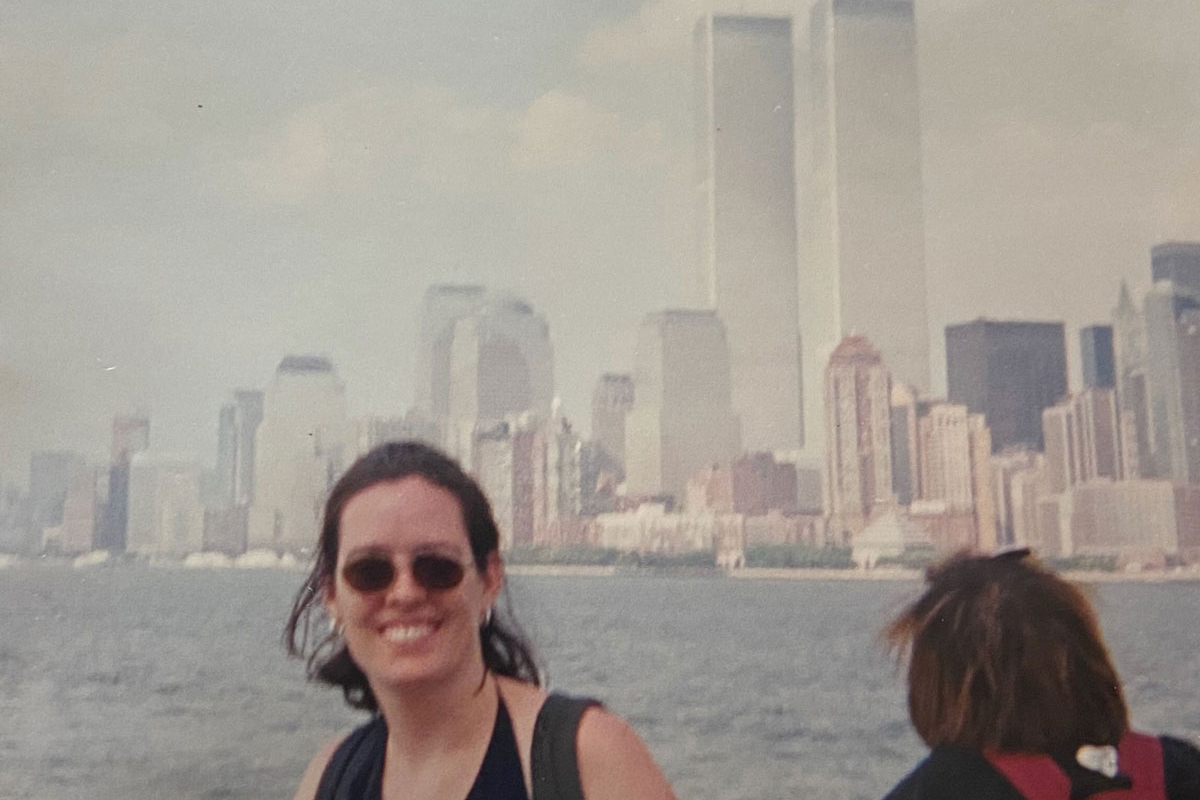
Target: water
(138, 682)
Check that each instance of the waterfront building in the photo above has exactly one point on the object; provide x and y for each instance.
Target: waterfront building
(954, 449)
(889, 535)
(747, 201)
(753, 485)
(1140, 521)
(1096, 354)
(867, 271)
(682, 417)
(650, 528)
(530, 471)
(1008, 371)
(166, 516)
(612, 399)
(301, 448)
(858, 429)
(237, 425)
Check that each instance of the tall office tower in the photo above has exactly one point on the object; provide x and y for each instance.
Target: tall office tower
(1179, 263)
(166, 517)
(946, 456)
(130, 435)
(986, 528)
(906, 464)
(1011, 470)
(611, 401)
(441, 307)
(236, 428)
(867, 272)
(77, 533)
(300, 450)
(1083, 439)
(858, 429)
(1096, 353)
(1009, 372)
(1168, 311)
(747, 194)
(1133, 385)
(482, 357)
(682, 417)
(1058, 435)
(1188, 339)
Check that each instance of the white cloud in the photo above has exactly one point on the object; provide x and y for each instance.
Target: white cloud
(560, 130)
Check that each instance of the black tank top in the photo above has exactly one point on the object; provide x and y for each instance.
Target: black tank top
(355, 771)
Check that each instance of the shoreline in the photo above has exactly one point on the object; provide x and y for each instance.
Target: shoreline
(896, 574)
(810, 574)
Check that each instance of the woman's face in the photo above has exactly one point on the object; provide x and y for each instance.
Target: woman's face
(406, 632)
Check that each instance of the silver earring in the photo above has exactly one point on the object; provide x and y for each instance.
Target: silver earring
(336, 627)
(487, 618)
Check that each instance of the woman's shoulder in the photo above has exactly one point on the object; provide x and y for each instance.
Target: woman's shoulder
(614, 763)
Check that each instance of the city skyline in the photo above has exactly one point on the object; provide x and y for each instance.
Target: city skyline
(180, 213)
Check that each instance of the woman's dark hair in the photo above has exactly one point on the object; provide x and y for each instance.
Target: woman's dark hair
(1004, 654)
(506, 651)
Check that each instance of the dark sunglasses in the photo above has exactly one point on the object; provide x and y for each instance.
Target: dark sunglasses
(374, 573)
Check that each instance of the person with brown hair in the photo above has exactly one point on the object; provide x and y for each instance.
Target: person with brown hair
(1011, 686)
(406, 580)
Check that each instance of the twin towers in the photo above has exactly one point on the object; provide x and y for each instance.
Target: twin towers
(793, 259)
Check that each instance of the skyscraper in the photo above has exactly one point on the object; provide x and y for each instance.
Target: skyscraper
(858, 427)
(1169, 312)
(611, 401)
(1009, 372)
(300, 449)
(866, 274)
(236, 428)
(483, 357)
(682, 417)
(441, 307)
(1096, 354)
(747, 199)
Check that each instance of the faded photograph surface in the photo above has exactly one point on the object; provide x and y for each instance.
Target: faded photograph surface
(741, 315)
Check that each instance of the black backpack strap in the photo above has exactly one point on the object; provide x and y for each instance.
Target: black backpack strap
(554, 763)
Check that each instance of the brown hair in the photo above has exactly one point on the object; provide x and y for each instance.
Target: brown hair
(1004, 654)
(506, 651)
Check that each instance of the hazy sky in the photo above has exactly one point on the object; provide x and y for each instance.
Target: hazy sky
(189, 191)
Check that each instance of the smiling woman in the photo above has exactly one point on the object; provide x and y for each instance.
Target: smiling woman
(408, 572)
